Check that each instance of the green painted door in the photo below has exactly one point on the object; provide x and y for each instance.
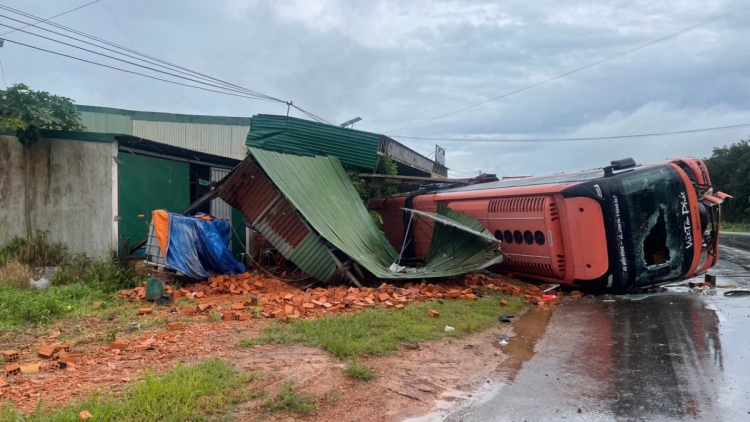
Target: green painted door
(148, 184)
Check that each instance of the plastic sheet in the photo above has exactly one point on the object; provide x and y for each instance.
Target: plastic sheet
(197, 246)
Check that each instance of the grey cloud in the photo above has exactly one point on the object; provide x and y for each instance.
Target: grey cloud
(398, 62)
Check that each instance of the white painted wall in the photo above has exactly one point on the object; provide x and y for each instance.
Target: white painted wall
(73, 184)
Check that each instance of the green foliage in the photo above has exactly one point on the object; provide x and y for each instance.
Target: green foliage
(381, 331)
(387, 166)
(193, 392)
(729, 168)
(735, 227)
(35, 252)
(358, 371)
(78, 282)
(359, 185)
(25, 111)
(290, 401)
(107, 275)
(12, 249)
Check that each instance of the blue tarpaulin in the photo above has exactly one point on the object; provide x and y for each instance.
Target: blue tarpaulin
(197, 246)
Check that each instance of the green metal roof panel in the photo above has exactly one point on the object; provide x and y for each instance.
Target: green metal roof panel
(304, 137)
(107, 123)
(312, 256)
(155, 116)
(320, 190)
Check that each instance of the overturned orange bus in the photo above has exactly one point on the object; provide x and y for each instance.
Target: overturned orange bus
(615, 229)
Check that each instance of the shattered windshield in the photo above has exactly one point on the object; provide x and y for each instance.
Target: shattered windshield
(652, 202)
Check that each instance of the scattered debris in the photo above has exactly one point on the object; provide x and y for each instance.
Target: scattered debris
(279, 300)
(506, 318)
(10, 355)
(433, 314)
(85, 414)
(449, 329)
(737, 293)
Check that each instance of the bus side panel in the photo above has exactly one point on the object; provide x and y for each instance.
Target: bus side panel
(422, 227)
(393, 218)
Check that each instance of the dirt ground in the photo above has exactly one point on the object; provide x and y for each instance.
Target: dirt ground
(410, 382)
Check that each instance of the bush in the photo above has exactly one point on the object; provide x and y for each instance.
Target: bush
(108, 274)
(35, 252)
(15, 273)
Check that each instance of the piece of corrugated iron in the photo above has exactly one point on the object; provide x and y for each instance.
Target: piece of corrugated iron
(249, 191)
(222, 140)
(304, 137)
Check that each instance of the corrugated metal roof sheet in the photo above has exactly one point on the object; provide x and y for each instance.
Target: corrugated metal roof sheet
(250, 192)
(222, 140)
(304, 137)
(320, 190)
(107, 123)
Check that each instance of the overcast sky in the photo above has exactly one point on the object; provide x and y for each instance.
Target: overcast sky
(396, 63)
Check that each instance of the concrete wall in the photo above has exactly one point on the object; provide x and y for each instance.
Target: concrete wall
(73, 193)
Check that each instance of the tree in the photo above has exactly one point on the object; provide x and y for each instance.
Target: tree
(25, 111)
(729, 169)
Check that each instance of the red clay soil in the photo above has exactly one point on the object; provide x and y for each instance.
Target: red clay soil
(408, 382)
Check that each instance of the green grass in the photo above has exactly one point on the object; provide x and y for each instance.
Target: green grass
(358, 371)
(290, 401)
(195, 392)
(78, 283)
(735, 227)
(380, 331)
(22, 307)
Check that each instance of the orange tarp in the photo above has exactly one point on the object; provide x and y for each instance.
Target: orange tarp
(160, 219)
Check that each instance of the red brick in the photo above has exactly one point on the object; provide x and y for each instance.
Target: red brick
(238, 306)
(243, 316)
(384, 297)
(118, 345)
(13, 369)
(399, 306)
(3, 383)
(433, 314)
(46, 351)
(199, 295)
(174, 326)
(85, 414)
(503, 303)
(145, 311)
(10, 355)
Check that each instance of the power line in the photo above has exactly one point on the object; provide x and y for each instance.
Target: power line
(632, 50)
(103, 41)
(593, 138)
(235, 90)
(132, 72)
(53, 17)
(126, 61)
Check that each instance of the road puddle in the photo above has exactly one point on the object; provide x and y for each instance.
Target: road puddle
(516, 350)
(528, 330)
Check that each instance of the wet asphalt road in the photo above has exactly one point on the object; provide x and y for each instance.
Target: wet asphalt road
(671, 356)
